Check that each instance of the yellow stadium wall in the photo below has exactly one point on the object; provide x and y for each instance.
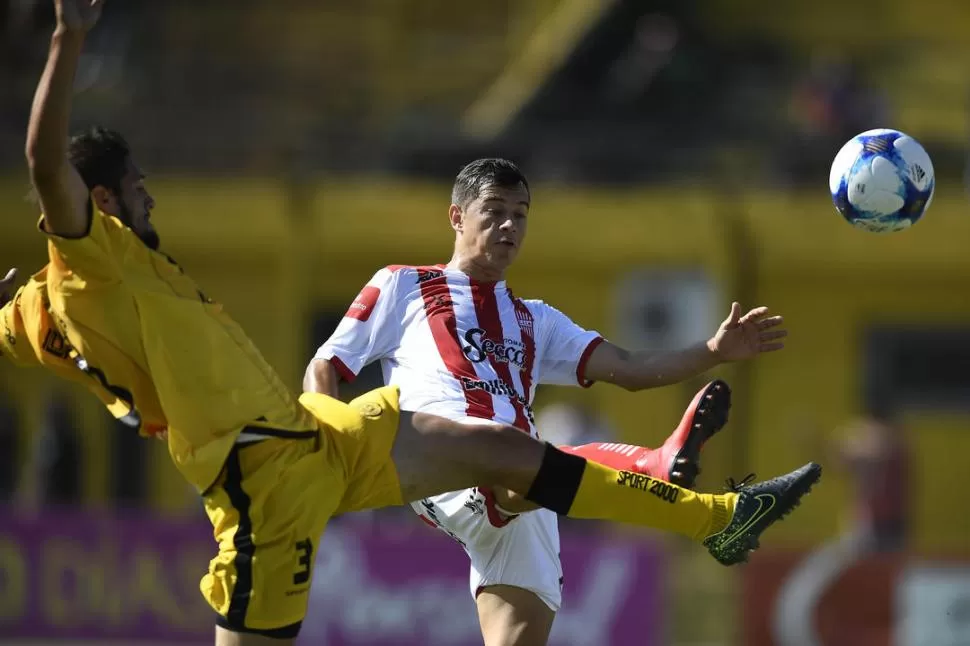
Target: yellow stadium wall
(275, 256)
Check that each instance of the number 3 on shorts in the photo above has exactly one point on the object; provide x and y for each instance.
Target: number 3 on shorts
(304, 549)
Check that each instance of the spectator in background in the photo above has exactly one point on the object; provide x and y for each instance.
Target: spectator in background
(875, 456)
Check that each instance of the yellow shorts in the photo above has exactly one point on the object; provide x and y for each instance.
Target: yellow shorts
(274, 497)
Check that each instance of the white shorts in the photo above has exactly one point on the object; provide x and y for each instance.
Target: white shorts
(521, 551)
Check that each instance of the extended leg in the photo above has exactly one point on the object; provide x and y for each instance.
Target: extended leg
(434, 455)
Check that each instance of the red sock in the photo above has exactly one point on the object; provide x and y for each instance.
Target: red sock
(622, 457)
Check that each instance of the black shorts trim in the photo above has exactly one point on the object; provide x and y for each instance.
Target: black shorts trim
(242, 542)
(262, 432)
(286, 632)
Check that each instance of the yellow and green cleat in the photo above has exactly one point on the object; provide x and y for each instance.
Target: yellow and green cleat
(758, 507)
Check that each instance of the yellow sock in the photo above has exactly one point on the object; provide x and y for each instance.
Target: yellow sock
(575, 487)
(641, 500)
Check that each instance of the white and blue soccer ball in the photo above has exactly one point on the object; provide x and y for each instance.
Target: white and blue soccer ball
(882, 180)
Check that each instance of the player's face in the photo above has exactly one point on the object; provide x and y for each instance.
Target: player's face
(492, 227)
(135, 205)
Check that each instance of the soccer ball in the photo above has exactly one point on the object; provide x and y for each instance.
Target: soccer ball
(882, 180)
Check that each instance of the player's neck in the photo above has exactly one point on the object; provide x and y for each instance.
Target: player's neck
(476, 269)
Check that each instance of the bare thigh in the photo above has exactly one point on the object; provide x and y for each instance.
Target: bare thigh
(433, 455)
(511, 616)
(227, 638)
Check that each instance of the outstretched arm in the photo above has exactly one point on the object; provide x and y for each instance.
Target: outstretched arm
(738, 337)
(63, 195)
(639, 370)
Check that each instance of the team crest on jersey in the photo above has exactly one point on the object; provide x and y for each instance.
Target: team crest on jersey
(524, 318)
(370, 409)
(363, 305)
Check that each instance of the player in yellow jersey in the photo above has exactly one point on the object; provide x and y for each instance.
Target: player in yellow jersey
(113, 312)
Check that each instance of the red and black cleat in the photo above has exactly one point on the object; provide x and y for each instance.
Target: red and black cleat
(679, 458)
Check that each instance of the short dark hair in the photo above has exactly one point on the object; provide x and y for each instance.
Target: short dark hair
(100, 156)
(482, 173)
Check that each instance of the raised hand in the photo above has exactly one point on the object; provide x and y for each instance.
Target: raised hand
(77, 15)
(743, 337)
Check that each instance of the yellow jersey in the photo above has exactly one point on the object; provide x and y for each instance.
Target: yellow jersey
(160, 354)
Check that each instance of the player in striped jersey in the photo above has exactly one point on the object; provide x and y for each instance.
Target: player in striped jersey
(458, 343)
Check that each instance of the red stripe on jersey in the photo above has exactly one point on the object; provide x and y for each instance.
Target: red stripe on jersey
(440, 312)
(486, 309)
(526, 326)
(581, 366)
(346, 373)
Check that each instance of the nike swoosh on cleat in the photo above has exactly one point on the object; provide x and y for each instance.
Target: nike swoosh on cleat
(763, 509)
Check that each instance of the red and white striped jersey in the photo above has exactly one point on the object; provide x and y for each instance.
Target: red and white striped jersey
(458, 347)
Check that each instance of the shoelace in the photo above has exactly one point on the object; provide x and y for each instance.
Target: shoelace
(736, 487)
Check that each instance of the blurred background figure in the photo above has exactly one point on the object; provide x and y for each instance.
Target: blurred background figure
(573, 423)
(831, 102)
(874, 456)
(51, 475)
(9, 449)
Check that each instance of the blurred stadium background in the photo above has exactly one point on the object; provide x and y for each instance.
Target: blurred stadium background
(679, 152)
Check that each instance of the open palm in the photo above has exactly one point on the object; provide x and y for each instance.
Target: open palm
(78, 15)
(743, 337)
